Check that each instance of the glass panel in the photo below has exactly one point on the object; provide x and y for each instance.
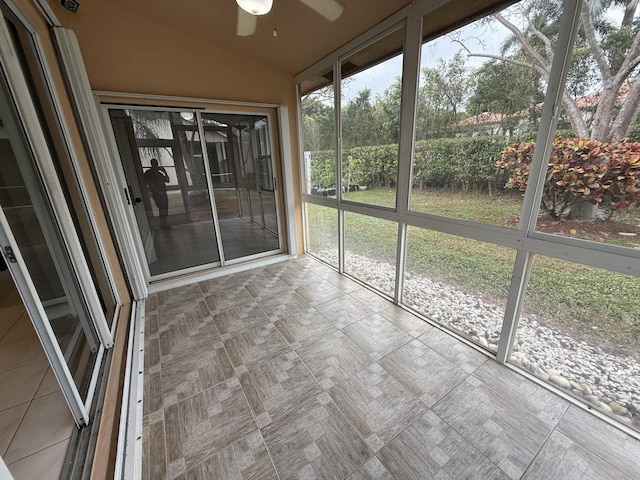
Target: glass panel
(268, 201)
(30, 60)
(241, 163)
(318, 133)
(168, 186)
(592, 189)
(370, 251)
(370, 109)
(256, 214)
(30, 219)
(244, 204)
(161, 180)
(580, 330)
(479, 92)
(322, 233)
(460, 283)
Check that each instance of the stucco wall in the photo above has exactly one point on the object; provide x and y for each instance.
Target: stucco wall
(125, 53)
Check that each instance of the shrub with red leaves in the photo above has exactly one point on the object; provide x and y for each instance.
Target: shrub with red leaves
(603, 173)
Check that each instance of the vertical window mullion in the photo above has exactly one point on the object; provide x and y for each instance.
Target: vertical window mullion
(337, 109)
(533, 194)
(408, 102)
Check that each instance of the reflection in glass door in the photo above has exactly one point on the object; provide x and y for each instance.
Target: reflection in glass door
(198, 207)
(162, 159)
(241, 164)
(36, 253)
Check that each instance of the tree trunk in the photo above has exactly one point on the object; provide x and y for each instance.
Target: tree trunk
(628, 113)
(582, 209)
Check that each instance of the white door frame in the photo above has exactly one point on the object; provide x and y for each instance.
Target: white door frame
(87, 296)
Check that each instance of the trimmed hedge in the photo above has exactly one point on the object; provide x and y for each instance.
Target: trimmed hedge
(467, 164)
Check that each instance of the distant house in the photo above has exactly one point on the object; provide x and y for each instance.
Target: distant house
(514, 124)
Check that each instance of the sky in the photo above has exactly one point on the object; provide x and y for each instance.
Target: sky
(380, 77)
(479, 36)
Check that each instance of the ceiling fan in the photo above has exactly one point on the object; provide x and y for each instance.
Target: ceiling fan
(249, 10)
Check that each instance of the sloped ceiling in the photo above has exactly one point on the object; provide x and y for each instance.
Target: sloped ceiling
(304, 37)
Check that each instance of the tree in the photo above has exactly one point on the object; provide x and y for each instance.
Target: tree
(611, 52)
(358, 127)
(506, 89)
(317, 117)
(442, 97)
(387, 110)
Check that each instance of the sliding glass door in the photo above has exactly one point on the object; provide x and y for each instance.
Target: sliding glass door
(41, 248)
(241, 165)
(201, 185)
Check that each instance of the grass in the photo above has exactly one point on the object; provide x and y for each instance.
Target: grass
(585, 301)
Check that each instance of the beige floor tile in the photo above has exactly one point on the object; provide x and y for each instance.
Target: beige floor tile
(45, 464)
(49, 384)
(423, 371)
(315, 440)
(20, 384)
(377, 405)
(47, 422)
(429, 448)
(20, 353)
(334, 359)
(20, 330)
(377, 336)
(507, 422)
(276, 386)
(372, 470)
(602, 439)
(9, 422)
(562, 458)
(9, 315)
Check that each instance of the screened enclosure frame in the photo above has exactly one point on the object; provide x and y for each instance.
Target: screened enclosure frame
(525, 240)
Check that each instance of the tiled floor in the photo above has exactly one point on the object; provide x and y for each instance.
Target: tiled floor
(293, 372)
(35, 421)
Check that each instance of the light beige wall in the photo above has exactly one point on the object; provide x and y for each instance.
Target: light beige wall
(123, 53)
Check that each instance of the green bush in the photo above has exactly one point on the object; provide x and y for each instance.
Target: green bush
(374, 166)
(583, 169)
(323, 170)
(466, 164)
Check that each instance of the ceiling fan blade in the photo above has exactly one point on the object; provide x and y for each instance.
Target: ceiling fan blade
(247, 23)
(329, 9)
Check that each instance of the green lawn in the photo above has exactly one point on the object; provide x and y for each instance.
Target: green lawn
(584, 300)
